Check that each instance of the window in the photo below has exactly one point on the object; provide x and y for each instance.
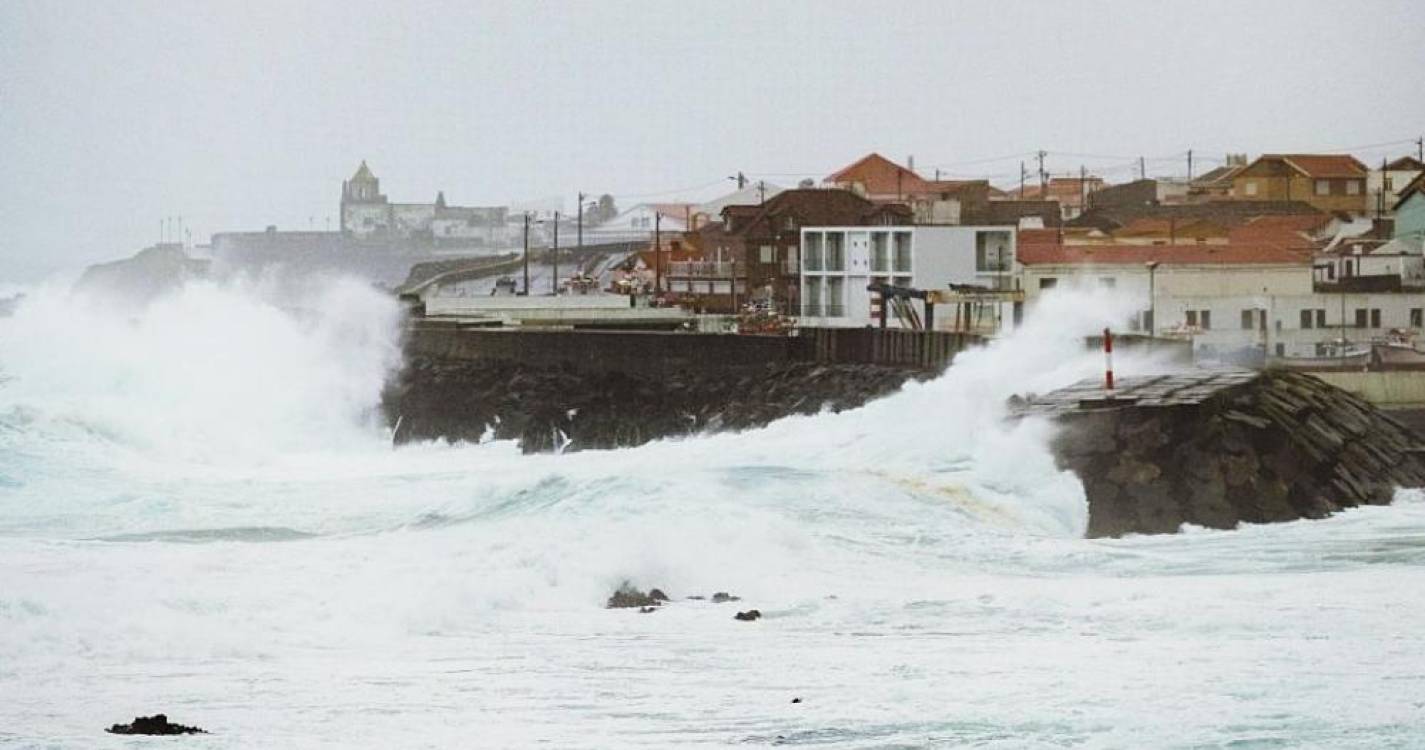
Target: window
(1192, 317)
(789, 223)
(1417, 317)
(1353, 187)
(1375, 318)
(1323, 187)
(1321, 318)
(901, 257)
(1350, 269)
(1361, 317)
(1248, 318)
(811, 251)
(836, 252)
(1250, 188)
(880, 257)
(1306, 316)
(769, 254)
(992, 252)
(1206, 318)
(1200, 318)
(835, 297)
(1048, 283)
(1389, 184)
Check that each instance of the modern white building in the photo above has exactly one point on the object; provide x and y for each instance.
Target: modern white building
(838, 263)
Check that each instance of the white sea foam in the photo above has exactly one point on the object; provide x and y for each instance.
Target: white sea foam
(199, 514)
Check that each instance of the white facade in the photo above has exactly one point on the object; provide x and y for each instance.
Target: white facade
(635, 224)
(838, 263)
(1227, 308)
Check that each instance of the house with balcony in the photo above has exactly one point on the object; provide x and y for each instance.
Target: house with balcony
(758, 246)
(840, 262)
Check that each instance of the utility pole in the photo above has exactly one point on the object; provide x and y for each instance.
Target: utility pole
(581, 221)
(526, 253)
(658, 253)
(741, 180)
(554, 283)
(1083, 189)
(1189, 165)
(1022, 174)
(1142, 169)
(1420, 148)
(1043, 176)
(762, 190)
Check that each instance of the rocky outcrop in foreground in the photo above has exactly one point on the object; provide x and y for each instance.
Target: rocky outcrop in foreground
(1279, 447)
(562, 409)
(156, 724)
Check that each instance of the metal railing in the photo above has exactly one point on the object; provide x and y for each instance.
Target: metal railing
(704, 269)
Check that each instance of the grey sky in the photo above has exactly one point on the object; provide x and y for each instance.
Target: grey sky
(240, 115)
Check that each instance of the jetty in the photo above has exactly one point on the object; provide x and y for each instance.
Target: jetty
(1216, 448)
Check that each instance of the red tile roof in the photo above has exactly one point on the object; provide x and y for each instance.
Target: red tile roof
(1322, 165)
(879, 176)
(1289, 228)
(1195, 254)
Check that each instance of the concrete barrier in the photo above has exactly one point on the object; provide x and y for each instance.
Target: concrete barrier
(657, 352)
(1393, 388)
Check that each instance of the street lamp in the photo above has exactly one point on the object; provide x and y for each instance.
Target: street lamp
(1152, 266)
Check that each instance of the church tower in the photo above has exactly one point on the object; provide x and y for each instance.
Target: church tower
(362, 188)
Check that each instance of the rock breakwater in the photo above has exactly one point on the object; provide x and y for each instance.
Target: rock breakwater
(560, 408)
(1279, 446)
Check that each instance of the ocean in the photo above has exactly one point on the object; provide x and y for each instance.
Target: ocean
(202, 514)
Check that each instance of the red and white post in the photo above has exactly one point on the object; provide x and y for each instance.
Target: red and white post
(1108, 361)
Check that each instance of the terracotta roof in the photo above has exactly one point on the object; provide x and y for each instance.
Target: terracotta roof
(879, 176)
(1405, 163)
(1149, 225)
(1193, 254)
(1289, 227)
(1221, 176)
(1321, 165)
(1038, 237)
(810, 207)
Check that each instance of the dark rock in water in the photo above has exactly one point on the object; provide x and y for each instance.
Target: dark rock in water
(137, 280)
(156, 724)
(628, 597)
(796, 700)
(657, 595)
(748, 616)
(647, 610)
(8, 305)
(722, 597)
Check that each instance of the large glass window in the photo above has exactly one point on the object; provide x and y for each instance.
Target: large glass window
(901, 247)
(880, 253)
(836, 252)
(812, 260)
(835, 297)
(992, 252)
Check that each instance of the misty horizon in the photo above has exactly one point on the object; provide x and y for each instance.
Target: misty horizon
(241, 117)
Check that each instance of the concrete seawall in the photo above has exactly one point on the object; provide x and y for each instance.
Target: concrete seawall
(568, 389)
(657, 353)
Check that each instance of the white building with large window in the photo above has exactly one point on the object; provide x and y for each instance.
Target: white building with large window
(838, 263)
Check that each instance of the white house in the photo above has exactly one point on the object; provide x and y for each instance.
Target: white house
(1228, 298)
(1386, 184)
(838, 263)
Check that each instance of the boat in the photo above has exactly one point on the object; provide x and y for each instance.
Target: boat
(1398, 348)
(1339, 353)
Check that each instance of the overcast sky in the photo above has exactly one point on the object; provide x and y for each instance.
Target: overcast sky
(239, 115)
